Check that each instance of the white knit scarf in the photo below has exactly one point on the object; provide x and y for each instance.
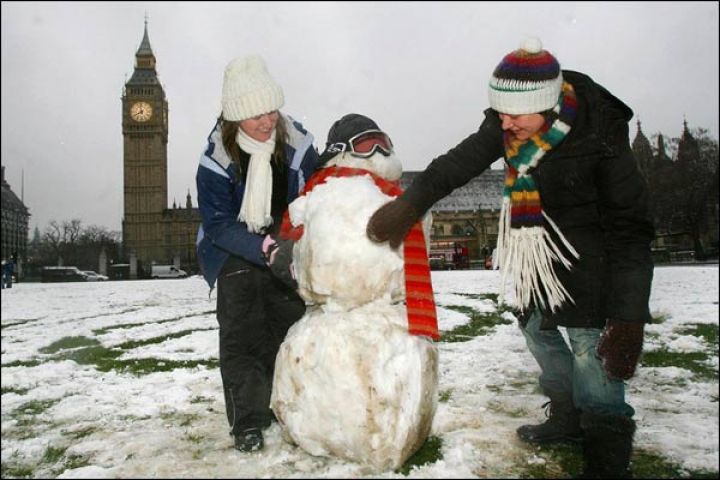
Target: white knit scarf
(257, 200)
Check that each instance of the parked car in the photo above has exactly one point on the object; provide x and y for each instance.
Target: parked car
(95, 277)
(167, 271)
(440, 263)
(62, 274)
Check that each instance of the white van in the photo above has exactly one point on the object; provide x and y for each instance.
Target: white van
(167, 271)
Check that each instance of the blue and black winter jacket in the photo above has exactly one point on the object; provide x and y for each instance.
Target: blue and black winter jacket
(220, 193)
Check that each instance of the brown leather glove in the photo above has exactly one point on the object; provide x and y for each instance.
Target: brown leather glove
(620, 346)
(392, 222)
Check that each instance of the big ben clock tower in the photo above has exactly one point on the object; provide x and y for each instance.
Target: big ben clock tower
(145, 136)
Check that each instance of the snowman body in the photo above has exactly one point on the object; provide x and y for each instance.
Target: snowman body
(350, 381)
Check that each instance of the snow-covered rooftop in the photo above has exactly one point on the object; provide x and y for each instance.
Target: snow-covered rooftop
(484, 191)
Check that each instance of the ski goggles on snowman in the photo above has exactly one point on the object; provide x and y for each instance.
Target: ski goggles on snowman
(364, 144)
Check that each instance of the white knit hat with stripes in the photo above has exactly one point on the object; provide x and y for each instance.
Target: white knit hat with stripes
(249, 90)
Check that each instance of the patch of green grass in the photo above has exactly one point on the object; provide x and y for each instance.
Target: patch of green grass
(429, 452)
(16, 471)
(106, 359)
(53, 454)
(561, 461)
(77, 434)
(645, 464)
(445, 395)
(194, 438)
(150, 341)
(482, 296)
(94, 355)
(75, 461)
(22, 363)
(200, 398)
(144, 366)
(26, 416)
(14, 323)
(67, 343)
(35, 407)
(658, 318)
(706, 331)
(18, 391)
(188, 419)
(519, 385)
(479, 324)
(696, 362)
(652, 335)
(122, 326)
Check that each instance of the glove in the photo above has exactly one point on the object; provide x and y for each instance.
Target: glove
(392, 222)
(278, 256)
(619, 347)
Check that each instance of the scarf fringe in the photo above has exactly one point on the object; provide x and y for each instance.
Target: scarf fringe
(526, 255)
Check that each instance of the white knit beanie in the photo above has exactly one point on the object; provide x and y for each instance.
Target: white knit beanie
(527, 80)
(249, 90)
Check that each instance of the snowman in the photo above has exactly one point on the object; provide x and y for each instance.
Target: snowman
(356, 377)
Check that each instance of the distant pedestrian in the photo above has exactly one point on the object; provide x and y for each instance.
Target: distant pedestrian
(8, 268)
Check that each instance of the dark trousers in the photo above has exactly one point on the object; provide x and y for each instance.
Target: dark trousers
(255, 311)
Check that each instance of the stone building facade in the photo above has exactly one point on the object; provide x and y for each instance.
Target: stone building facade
(468, 217)
(15, 220)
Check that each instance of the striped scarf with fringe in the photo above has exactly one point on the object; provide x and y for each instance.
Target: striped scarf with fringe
(419, 299)
(525, 250)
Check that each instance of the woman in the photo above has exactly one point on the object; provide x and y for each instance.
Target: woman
(255, 163)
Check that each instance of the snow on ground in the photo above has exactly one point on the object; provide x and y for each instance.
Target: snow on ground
(115, 424)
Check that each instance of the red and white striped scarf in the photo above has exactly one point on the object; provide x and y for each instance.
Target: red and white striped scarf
(419, 299)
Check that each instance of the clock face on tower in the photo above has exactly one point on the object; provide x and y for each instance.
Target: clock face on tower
(141, 111)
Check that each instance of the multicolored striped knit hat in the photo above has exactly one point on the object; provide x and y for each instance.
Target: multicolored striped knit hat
(527, 80)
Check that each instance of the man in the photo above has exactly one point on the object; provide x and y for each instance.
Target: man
(574, 237)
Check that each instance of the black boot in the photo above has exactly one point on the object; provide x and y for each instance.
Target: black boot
(562, 425)
(608, 445)
(249, 440)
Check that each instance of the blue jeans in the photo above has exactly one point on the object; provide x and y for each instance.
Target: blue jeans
(576, 373)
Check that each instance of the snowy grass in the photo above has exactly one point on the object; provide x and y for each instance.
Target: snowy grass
(120, 379)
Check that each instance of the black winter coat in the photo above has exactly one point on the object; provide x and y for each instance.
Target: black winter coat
(591, 187)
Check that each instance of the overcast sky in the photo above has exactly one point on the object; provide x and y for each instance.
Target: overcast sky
(420, 70)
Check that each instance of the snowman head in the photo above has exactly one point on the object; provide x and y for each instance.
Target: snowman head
(356, 141)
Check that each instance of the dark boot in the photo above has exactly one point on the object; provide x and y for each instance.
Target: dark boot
(249, 440)
(608, 445)
(562, 425)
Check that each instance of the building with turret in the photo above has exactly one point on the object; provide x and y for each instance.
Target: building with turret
(682, 194)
